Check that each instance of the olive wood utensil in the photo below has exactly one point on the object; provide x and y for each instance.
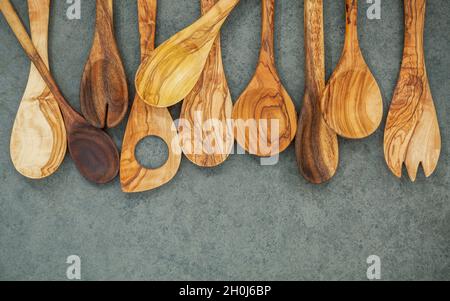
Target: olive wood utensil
(92, 150)
(316, 145)
(147, 121)
(38, 140)
(352, 104)
(412, 136)
(205, 130)
(104, 90)
(172, 70)
(264, 101)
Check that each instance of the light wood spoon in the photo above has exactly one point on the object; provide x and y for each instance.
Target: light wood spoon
(104, 90)
(146, 121)
(172, 70)
(205, 129)
(412, 134)
(264, 115)
(352, 104)
(92, 150)
(316, 145)
(38, 140)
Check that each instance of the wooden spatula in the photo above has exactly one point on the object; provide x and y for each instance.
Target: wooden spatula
(352, 104)
(206, 132)
(92, 150)
(104, 90)
(170, 72)
(316, 145)
(146, 121)
(412, 134)
(38, 140)
(264, 115)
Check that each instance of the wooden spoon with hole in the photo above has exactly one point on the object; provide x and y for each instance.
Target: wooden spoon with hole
(104, 90)
(38, 140)
(412, 136)
(170, 72)
(316, 145)
(352, 104)
(147, 121)
(264, 115)
(92, 150)
(205, 131)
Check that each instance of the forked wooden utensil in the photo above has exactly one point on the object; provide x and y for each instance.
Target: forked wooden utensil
(172, 70)
(412, 134)
(352, 104)
(205, 129)
(316, 145)
(38, 140)
(104, 90)
(264, 115)
(147, 121)
(92, 150)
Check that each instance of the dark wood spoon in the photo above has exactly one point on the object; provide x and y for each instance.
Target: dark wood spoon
(92, 150)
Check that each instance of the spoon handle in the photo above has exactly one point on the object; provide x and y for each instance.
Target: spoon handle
(147, 26)
(351, 25)
(267, 33)
(24, 39)
(104, 16)
(415, 11)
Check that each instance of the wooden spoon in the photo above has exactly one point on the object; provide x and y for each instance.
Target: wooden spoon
(92, 150)
(264, 115)
(412, 134)
(205, 131)
(316, 144)
(38, 140)
(104, 90)
(172, 70)
(352, 104)
(146, 121)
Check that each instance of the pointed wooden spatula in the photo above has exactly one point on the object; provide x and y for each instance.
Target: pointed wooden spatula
(147, 121)
(38, 140)
(412, 136)
(316, 145)
(104, 90)
(205, 130)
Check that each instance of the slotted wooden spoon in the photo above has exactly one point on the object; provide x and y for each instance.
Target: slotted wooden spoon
(171, 71)
(205, 131)
(264, 115)
(147, 121)
(92, 150)
(412, 136)
(352, 104)
(38, 140)
(316, 145)
(104, 90)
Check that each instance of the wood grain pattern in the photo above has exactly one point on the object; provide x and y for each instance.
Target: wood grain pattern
(170, 73)
(412, 134)
(352, 104)
(206, 133)
(316, 145)
(147, 121)
(92, 150)
(104, 90)
(265, 101)
(38, 140)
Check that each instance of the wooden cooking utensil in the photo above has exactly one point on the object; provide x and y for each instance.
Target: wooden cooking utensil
(264, 101)
(352, 104)
(412, 134)
(172, 70)
(92, 150)
(205, 131)
(146, 121)
(104, 90)
(316, 145)
(38, 140)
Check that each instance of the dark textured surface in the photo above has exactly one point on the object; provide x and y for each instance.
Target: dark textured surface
(240, 221)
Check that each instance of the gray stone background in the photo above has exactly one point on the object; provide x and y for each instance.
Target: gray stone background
(240, 221)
